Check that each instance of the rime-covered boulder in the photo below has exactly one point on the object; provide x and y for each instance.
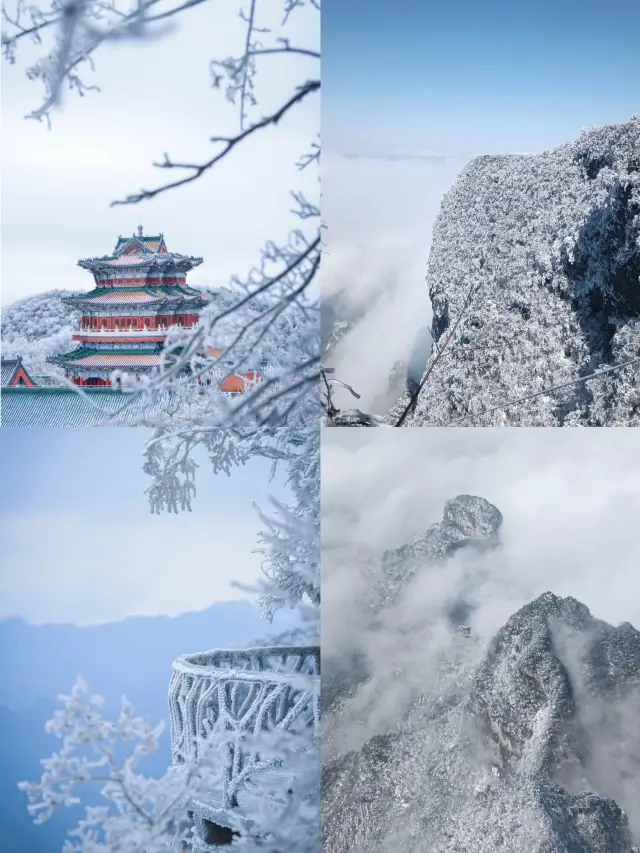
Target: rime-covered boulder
(352, 418)
(557, 698)
(540, 257)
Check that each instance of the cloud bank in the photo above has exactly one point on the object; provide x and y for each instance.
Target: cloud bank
(379, 210)
(570, 500)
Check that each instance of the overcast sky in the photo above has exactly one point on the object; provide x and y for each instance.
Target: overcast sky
(435, 86)
(79, 544)
(570, 500)
(155, 97)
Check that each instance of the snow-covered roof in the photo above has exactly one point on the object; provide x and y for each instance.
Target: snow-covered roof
(173, 297)
(10, 368)
(140, 251)
(64, 407)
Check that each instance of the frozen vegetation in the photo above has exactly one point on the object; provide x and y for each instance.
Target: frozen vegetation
(525, 741)
(39, 327)
(534, 278)
(244, 722)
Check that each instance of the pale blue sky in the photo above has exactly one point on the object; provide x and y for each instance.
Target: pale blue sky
(80, 545)
(465, 77)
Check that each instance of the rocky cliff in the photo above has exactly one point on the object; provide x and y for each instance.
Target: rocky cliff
(529, 742)
(538, 258)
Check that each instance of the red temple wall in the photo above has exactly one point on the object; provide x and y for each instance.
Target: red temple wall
(137, 322)
(141, 282)
(87, 381)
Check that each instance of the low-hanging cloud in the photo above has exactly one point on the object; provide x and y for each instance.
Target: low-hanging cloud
(380, 209)
(399, 156)
(570, 501)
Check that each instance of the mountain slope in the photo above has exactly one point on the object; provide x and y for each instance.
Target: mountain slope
(526, 743)
(133, 656)
(38, 327)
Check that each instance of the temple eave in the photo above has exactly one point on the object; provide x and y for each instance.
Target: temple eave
(120, 340)
(161, 306)
(74, 368)
(137, 264)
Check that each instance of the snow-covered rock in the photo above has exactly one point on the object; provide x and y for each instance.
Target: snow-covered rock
(527, 743)
(540, 257)
(467, 521)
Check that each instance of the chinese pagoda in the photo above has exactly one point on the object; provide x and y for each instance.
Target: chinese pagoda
(141, 291)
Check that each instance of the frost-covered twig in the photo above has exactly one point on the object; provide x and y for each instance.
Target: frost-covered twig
(228, 143)
(148, 815)
(413, 398)
(290, 540)
(151, 815)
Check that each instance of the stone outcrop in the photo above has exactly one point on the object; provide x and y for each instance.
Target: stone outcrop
(540, 257)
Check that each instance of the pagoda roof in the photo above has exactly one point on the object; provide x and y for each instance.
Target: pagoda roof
(13, 372)
(90, 336)
(88, 357)
(141, 295)
(140, 251)
(153, 244)
(85, 360)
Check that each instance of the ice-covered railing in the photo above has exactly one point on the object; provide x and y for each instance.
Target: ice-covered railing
(239, 693)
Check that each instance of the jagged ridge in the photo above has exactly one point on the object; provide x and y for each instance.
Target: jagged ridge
(535, 748)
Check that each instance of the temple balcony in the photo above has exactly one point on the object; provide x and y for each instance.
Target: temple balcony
(240, 693)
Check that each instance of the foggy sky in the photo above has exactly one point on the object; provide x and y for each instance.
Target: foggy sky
(155, 97)
(570, 500)
(80, 545)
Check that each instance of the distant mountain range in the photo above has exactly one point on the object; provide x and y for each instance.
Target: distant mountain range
(131, 658)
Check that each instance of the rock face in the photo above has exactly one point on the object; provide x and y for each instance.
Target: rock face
(352, 418)
(540, 255)
(532, 744)
(467, 521)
